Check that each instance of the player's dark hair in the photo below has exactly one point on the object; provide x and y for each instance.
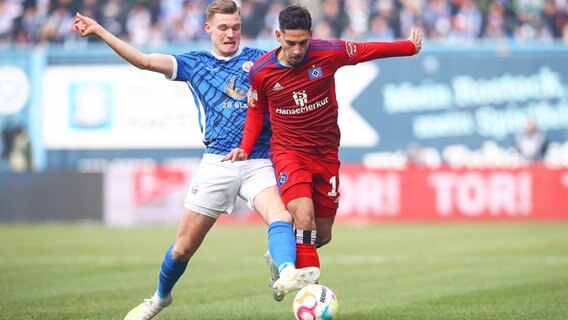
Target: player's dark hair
(295, 17)
(221, 6)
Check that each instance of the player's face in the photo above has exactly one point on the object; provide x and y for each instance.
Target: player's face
(294, 44)
(225, 33)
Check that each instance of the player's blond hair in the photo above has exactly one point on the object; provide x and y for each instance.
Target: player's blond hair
(221, 6)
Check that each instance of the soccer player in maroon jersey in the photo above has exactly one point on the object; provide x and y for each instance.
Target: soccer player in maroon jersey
(295, 83)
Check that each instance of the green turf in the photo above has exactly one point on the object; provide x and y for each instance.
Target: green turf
(454, 271)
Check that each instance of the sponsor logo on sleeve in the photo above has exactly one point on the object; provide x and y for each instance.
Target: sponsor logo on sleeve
(351, 49)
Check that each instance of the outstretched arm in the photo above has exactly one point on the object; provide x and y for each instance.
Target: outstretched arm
(154, 62)
(367, 51)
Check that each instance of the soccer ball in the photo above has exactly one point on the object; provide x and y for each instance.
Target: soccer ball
(315, 302)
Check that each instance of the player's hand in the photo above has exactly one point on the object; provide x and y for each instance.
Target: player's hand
(251, 102)
(236, 154)
(85, 25)
(416, 38)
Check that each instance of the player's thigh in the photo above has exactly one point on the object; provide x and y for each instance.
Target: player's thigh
(214, 188)
(326, 188)
(294, 176)
(256, 176)
(270, 207)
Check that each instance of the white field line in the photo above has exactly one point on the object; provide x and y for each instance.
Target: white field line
(253, 260)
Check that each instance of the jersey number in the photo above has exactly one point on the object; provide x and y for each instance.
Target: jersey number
(333, 182)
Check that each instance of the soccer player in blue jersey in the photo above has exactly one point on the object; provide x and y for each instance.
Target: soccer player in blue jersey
(218, 81)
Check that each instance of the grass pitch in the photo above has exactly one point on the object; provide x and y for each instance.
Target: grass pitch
(454, 271)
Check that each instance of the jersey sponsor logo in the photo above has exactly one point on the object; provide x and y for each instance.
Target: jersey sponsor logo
(315, 73)
(232, 90)
(300, 98)
(277, 87)
(282, 178)
(247, 65)
(310, 107)
(351, 49)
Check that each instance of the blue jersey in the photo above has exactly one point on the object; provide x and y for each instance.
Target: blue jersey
(219, 88)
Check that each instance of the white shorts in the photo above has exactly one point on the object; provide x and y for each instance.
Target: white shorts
(216, 185)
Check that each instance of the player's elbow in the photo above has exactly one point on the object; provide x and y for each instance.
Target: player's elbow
(143, 64)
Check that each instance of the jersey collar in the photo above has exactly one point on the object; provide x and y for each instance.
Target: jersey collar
(218, 57)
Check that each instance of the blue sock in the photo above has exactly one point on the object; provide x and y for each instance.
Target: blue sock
(170, 273)
(282, 244)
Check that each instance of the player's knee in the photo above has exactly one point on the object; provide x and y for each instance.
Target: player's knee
(305, 223)
(181, 253)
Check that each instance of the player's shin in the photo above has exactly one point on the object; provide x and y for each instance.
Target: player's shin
(281, 244)
(170, 272)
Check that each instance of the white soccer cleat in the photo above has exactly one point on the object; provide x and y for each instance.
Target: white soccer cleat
(292, 279)
(149, 308)
(274, 275)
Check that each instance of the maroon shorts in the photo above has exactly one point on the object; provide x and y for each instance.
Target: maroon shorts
(300, 175)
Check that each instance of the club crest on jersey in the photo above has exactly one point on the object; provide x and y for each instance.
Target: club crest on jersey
(247, 65)
(195, 189)
(351, 49)
(315, 73)
(282, 178)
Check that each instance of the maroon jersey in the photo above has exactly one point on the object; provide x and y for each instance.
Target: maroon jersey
(302, 103)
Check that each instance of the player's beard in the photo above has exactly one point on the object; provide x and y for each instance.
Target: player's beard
(295, 62)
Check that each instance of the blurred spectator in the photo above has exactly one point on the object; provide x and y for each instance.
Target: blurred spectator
(7, 145)
(333, 14)
(438, 19)
(21, 155)
(16, 149)
(496, 21)
(358, 15)
(186, 24)
(380, 30)
(531, 143)
(58, 26)
(252, 17)
(271, 20)
(139, 24)
(153, 22)
(411, 15)
(111, 18)
(467, 21)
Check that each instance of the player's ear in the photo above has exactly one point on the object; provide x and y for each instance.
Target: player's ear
(207, 27)
(278, 35)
